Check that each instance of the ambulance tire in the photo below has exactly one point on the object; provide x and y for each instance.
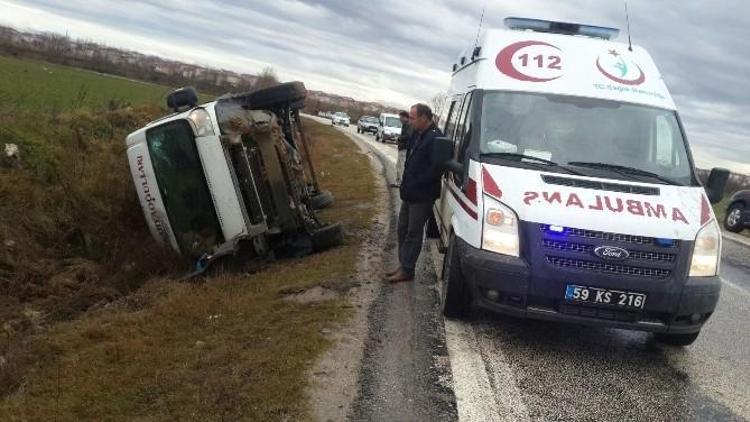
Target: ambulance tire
(455, 297)
(676, 339)
(327, 237)
(323, 199)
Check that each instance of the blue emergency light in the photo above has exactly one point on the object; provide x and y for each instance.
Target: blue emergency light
(566, 28)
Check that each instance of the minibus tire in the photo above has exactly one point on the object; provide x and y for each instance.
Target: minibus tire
(676, 339)
(327, 237)
(455, 298)
(323, 199)
(277, 95)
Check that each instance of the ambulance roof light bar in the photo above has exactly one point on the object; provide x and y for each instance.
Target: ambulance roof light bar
(566, 28)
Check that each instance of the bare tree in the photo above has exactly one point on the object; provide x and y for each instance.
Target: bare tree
(438, 102)
(266, 78)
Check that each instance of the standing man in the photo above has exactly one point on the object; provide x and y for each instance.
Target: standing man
(403, 144)
(420, 187)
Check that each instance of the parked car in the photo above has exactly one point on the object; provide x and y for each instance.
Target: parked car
(367, 124)
(226, 178)
(554, 207)
(389, 128)
(738, 212)
(340, 118)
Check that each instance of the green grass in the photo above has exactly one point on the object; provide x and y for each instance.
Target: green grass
(36, 84)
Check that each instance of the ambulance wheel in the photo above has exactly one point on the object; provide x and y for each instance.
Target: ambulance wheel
(733, 220)
(676, 339)
(327, 237)
(455, 298)
(323, 199)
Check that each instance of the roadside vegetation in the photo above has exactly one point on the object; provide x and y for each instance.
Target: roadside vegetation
(95, 322)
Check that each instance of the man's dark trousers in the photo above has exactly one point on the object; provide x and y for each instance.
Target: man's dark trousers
(411, 222)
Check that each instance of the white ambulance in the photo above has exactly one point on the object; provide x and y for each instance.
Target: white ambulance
(570, 192)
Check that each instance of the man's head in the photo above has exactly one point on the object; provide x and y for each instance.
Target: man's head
(403, 115)
(420, 117)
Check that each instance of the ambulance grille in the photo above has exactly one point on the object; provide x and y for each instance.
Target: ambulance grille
(605, 186)
(608, 268)
(589, 249)
(570, 232)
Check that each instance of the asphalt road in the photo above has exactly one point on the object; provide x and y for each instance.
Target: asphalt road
(501, 368)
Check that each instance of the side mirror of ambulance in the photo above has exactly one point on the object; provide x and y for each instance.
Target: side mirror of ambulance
(717, 182)
(442, 154)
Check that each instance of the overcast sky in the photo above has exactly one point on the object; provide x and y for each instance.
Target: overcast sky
(401, 51)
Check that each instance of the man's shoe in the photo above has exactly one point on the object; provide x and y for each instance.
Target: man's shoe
(400, 277)
(393, 271)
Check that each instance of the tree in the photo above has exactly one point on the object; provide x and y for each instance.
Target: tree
(437, 103)
(267, 78)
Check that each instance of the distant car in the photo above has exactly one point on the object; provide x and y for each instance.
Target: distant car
(367, 124)
(738, 212)
(340, 118)
(389, 128)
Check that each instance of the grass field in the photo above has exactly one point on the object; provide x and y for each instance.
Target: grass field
(35, 84)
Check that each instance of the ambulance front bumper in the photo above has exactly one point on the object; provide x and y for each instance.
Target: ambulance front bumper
(512, 286)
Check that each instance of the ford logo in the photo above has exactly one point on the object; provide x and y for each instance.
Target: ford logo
(611, 253)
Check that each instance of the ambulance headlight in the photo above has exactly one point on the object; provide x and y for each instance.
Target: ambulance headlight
(706, 251)
(201, 121)
(499, 228)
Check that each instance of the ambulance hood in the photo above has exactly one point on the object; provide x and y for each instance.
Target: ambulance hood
(662, 211)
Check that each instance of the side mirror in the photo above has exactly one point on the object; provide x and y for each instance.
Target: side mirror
(442, 155)
(717, 182)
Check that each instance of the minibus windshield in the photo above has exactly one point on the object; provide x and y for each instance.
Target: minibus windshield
(594, 136)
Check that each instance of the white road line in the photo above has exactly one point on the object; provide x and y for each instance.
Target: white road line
(483, 383)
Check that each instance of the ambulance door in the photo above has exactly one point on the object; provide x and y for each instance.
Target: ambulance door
(455, 127)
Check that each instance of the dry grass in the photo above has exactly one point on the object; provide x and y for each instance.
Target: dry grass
(229, 349)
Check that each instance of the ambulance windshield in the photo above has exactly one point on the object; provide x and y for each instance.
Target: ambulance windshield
(568, 129)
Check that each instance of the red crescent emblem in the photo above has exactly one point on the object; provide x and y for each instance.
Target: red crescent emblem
(641, 78)
(505, 64)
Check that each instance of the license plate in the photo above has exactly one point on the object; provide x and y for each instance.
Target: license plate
(599, 296)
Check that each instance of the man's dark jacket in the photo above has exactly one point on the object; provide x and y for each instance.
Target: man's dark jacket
(403, 140)
(421, 179)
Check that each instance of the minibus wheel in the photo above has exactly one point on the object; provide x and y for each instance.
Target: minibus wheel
(455, 298)
(327, 237)
(323, 199)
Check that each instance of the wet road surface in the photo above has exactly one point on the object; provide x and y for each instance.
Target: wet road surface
(502, 368)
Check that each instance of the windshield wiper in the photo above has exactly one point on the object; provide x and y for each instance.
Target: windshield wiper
(625, 170)
(535, 160)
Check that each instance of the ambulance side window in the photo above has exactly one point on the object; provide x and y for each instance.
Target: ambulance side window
(450, 125)
(663, 143)
(463, 131)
